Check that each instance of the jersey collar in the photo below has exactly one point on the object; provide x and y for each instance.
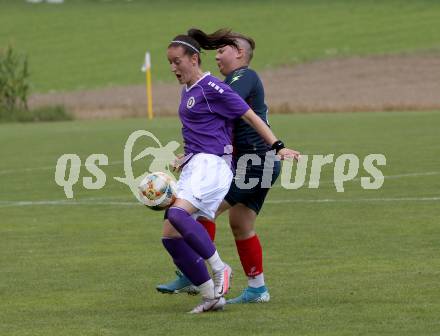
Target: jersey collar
(238, 69)
(189, 88)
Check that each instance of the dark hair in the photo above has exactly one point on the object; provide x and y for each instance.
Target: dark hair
(196, 40)
(250, 47)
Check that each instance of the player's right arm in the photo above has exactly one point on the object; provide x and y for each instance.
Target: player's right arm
(266, 133)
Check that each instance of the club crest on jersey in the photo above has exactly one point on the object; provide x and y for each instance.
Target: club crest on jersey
(190, 103)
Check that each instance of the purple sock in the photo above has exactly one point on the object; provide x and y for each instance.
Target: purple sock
(192, 232)
(189, 262)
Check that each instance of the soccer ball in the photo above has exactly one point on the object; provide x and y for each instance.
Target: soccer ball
(157, 191)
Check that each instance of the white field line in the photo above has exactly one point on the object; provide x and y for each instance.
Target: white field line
(97, 201)
(385, 177)
(356, 200)
(392, 176)
(359, 178)
(4, 204)
(25, 170)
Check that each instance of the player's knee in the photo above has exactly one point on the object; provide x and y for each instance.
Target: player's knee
(176, 216)
(173, 215)
(241, 232)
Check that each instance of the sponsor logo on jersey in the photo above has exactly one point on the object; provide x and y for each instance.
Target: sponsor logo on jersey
(237, 76)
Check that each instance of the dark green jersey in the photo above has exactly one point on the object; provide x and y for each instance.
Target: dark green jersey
(248, 85)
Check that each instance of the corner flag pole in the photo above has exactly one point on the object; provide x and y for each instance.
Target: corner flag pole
(147, 69)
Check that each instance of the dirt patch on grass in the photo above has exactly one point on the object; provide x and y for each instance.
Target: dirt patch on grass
(378, 83)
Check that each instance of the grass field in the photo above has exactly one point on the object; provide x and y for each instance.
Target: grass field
(87, 44)
(354, 263)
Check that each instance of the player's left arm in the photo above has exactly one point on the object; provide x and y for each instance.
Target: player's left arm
(266, 133)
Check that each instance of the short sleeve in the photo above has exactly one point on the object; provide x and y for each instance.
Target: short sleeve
(224, 101)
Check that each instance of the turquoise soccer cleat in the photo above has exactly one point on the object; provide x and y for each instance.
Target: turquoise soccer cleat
(179, 285)
(252, 295)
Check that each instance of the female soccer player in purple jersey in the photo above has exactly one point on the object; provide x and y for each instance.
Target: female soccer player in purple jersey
(244, 205)
(207, 108)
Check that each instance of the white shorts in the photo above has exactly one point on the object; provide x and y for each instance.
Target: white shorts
(204, 182)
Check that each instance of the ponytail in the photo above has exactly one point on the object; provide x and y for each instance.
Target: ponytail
(217, 39)
(196, 40)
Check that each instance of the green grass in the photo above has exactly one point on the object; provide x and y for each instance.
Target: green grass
(88, 44)
(346, 267)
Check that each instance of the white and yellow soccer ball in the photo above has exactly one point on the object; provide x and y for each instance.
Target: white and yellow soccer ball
(158, 190)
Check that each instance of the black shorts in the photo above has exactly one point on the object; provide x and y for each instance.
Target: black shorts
(254, 197)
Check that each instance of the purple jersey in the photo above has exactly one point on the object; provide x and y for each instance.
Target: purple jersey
(206, 110)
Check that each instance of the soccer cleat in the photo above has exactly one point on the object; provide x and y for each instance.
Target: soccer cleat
(180, 285)
(252, 295)
(222, 280)
(209, 305)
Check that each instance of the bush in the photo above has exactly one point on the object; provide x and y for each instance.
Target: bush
(51, 113)
(14, 86)
(14, 92)
(46, 113)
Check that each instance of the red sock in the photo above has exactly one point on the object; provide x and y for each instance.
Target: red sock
(208, 225)
(251, 255)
